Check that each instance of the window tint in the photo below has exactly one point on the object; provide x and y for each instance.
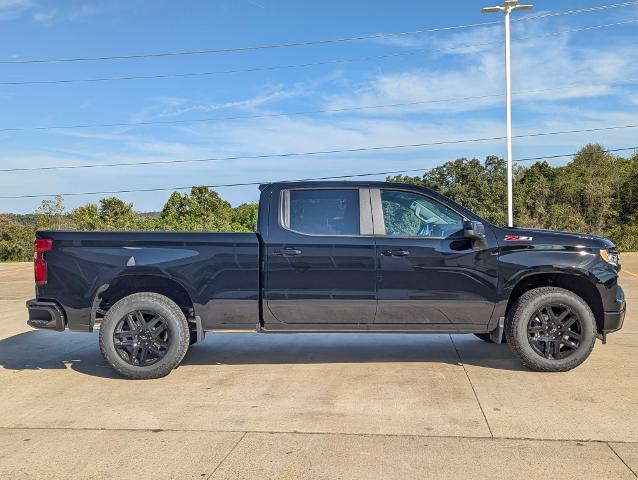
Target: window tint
(407, 214)
(324, 212)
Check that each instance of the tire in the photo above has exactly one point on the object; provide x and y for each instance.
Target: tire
(539, 325)
(144, 336)
(486, 337)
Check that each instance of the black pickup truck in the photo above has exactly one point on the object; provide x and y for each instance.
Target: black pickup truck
(332, 257)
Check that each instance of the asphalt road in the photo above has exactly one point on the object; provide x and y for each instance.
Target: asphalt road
(320, 406)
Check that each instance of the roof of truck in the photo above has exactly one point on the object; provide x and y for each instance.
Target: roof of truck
(333, 183)
(367, 183)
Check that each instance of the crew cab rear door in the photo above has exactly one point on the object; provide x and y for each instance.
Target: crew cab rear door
(428, 273)
(320, 257)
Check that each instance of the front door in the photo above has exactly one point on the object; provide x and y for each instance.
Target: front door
(320, 258)
(427, 272)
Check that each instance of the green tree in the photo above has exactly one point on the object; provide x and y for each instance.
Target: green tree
(87, 217)
(112, 214)
(478, 186)
(16, 241)
(244, 217)
(115, 214)
(590, 183)
(51, 215)
(534, 194)
(627, 203)
(203, 210)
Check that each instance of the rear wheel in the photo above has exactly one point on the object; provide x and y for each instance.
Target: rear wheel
(551, 329)
(144, 335)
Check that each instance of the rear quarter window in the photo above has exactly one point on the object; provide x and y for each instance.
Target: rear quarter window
(323, 211)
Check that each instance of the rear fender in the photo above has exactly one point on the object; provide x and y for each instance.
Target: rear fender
(130, 282)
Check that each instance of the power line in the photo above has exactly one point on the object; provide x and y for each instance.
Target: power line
(336, 177)
(308, 112)
(244, 184)
(312, 153)
(236, 70)
(551, 157)
(577, 11)
(250, 48)
(297, 65)
(251, 157)
(264, 115)
(311, 42)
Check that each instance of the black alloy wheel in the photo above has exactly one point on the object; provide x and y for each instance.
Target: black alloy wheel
(144, 335)
(554, 331)
(141, 338)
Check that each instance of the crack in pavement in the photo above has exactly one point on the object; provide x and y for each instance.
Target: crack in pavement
(227, 455)
(621, 459)
(297, 432)
(472, 385)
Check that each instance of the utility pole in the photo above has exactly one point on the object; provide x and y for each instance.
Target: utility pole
(507, 8)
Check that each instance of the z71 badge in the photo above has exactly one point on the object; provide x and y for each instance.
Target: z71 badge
(517, 238)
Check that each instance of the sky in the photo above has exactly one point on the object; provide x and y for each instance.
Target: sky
(567, 75)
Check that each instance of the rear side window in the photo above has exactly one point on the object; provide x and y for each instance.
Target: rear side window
(322, 211)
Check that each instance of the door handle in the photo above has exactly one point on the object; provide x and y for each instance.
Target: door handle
(396, 252)
(286, 252)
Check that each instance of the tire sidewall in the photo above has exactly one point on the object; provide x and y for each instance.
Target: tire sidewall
(177, 326)
(527, 308)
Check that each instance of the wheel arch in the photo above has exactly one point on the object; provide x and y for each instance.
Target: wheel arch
(124, 285)
(573, 282)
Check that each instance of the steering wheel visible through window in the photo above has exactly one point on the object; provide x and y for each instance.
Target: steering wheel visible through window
(409, 214)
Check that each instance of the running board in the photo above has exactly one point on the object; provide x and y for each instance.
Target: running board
(372, 328)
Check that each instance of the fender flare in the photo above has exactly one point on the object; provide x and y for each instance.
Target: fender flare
(97, 297)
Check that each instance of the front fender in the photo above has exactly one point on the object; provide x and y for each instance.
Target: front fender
(518, 262)
(582, 271)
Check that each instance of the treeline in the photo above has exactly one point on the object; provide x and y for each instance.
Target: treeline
(596, 192)
(200, 210)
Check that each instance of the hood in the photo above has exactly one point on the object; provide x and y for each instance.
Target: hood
(536, 236)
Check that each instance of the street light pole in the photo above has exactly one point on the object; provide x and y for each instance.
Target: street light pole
(507, 8)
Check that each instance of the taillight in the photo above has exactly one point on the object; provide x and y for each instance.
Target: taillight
(39, 265)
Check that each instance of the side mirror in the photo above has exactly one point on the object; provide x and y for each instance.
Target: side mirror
(473, 230)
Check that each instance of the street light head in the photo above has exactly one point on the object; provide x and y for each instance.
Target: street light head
(507, 7)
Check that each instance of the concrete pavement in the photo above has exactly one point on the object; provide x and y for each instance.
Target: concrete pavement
(313, 406)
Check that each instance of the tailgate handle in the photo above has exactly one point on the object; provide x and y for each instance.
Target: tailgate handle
(395, 252)
(286, 252)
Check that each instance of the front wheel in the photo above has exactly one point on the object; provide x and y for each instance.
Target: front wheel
(551, 329)
(144, 335)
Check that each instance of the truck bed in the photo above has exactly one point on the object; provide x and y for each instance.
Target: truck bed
(216, 273)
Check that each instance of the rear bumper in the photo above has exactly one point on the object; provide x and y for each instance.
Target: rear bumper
(46, 315)
(613, 319)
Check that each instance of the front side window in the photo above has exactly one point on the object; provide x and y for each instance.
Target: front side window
(408, 214)
(324, 211)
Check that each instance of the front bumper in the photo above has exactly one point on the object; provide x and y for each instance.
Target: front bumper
(46, 315)
(613, 319)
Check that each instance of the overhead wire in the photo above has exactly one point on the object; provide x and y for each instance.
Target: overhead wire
(306, 43)
(313, 112)
(332, 177)
(299, 65)
(313, 153)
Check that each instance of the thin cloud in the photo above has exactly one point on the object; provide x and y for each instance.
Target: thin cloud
(44, 16)
(11, 9)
